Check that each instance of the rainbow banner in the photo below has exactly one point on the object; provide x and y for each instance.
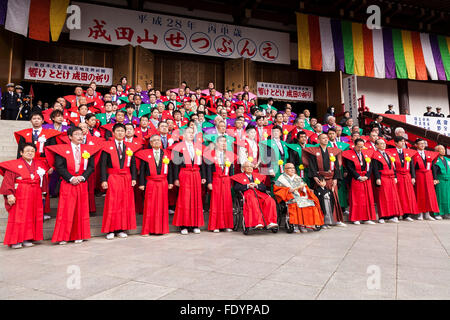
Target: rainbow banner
(326, 44)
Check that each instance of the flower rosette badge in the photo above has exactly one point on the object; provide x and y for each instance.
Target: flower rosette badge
(285, 134)
(332, 162)
(302, 170)
(393, 161)
(280, 164)
(198, 153)
(42, 140)
(368, 160)
(408, 161)
(227, 167)
(166, 162)
(86, 155)
(129, 153)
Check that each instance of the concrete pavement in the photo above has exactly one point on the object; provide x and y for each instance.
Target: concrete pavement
(409, 260)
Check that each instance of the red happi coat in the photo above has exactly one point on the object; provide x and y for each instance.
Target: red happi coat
(404, 185)
(361, 202)
(119, 211)
(189, 208)
(424, 187)
(221, 205)
(259, 208)
(156, 205)
(72, 219)
(26, 216)
(386, 195)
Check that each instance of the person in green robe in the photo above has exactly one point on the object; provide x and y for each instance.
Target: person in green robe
(274, 155)
(441, 174)
(105, 118)
(295, 155)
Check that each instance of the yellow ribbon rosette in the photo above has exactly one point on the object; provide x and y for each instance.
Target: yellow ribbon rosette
(198, 152)
(285, 132)
(332, 158)
(86, 155)
(265, 135)
(129, 153)
(257, 181)
(408, 159)
(166, 160)
(392, 159)
(250, 159)
(228, 164)
(301, 167)
(368, 160)
(280, 162)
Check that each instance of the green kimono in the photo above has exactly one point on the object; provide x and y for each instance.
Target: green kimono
(443, 187)
(298, 162)
(274, 158)
(208, 138)
(102, 118)
(347, 132)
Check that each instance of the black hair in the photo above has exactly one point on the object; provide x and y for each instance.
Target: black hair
(144, 116)
(332, 129)
(300, 133)
(250, 127)
(37, 113)
(121, 111)
(82, 105)
(72, 130)
(56, 113)
(398, 139)
(118, 125)
(258, 117)
(26, 144)
(277, 128)
(88, 116)
(359, 140)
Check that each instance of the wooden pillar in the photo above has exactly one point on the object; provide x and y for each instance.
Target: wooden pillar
(144, 67)
(403, 96)
(234, 75)
(123, 63)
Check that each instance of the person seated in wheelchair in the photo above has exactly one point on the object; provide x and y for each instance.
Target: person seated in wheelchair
(260, 210)
(303, 205)
(326, 200)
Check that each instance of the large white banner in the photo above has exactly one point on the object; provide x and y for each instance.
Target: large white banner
(349, 87)
(285, 91)
(67, 73)
(120, 27)
(441, 125)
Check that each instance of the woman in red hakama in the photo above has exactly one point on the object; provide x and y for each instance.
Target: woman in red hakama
(219, 170)
(72, 219)
(153, 177)
(24, 185)
(118, 176)
(359, 167)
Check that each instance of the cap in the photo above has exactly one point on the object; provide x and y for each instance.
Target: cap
(428, 107)
(438, 108)
(19, 87)
(10, 85)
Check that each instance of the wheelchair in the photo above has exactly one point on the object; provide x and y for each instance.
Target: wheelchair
(238, 215)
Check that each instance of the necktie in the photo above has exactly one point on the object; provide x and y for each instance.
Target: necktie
(77, 158)
(156, 152)
(36, 135)
(191, 151)
(164, 141)
(120, 150)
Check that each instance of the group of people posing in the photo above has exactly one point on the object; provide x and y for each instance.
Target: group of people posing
(189, 154)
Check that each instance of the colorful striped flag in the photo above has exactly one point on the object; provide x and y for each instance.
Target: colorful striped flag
(329, 44)
(17, 16)
(39, 22)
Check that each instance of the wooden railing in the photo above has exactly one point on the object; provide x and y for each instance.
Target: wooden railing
(419, 131)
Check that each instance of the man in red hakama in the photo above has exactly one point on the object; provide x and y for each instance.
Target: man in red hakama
(218, 171)
(154, 169)
(118, 176)
(189, 175)
(24, 186)
(424, 187)
(406, 177)
(74, 162)
(41, 138)
(386, 193)
(260, 209)
(359, 166)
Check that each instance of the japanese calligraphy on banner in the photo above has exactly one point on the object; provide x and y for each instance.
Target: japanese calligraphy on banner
(67, 73)
(441, 125)
(285, 91)
(114, 26)
(349, 87)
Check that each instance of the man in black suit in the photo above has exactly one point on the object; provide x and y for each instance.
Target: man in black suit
(390, 111)
(438, 113)
(9, 103)
(429, 113)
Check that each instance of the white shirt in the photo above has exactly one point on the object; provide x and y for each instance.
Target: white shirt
(422, 154)
(118, 143)
(74, 147)
(280, 147)
(157, 154)
(38, 131)
(128, 139)
(190, 147)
